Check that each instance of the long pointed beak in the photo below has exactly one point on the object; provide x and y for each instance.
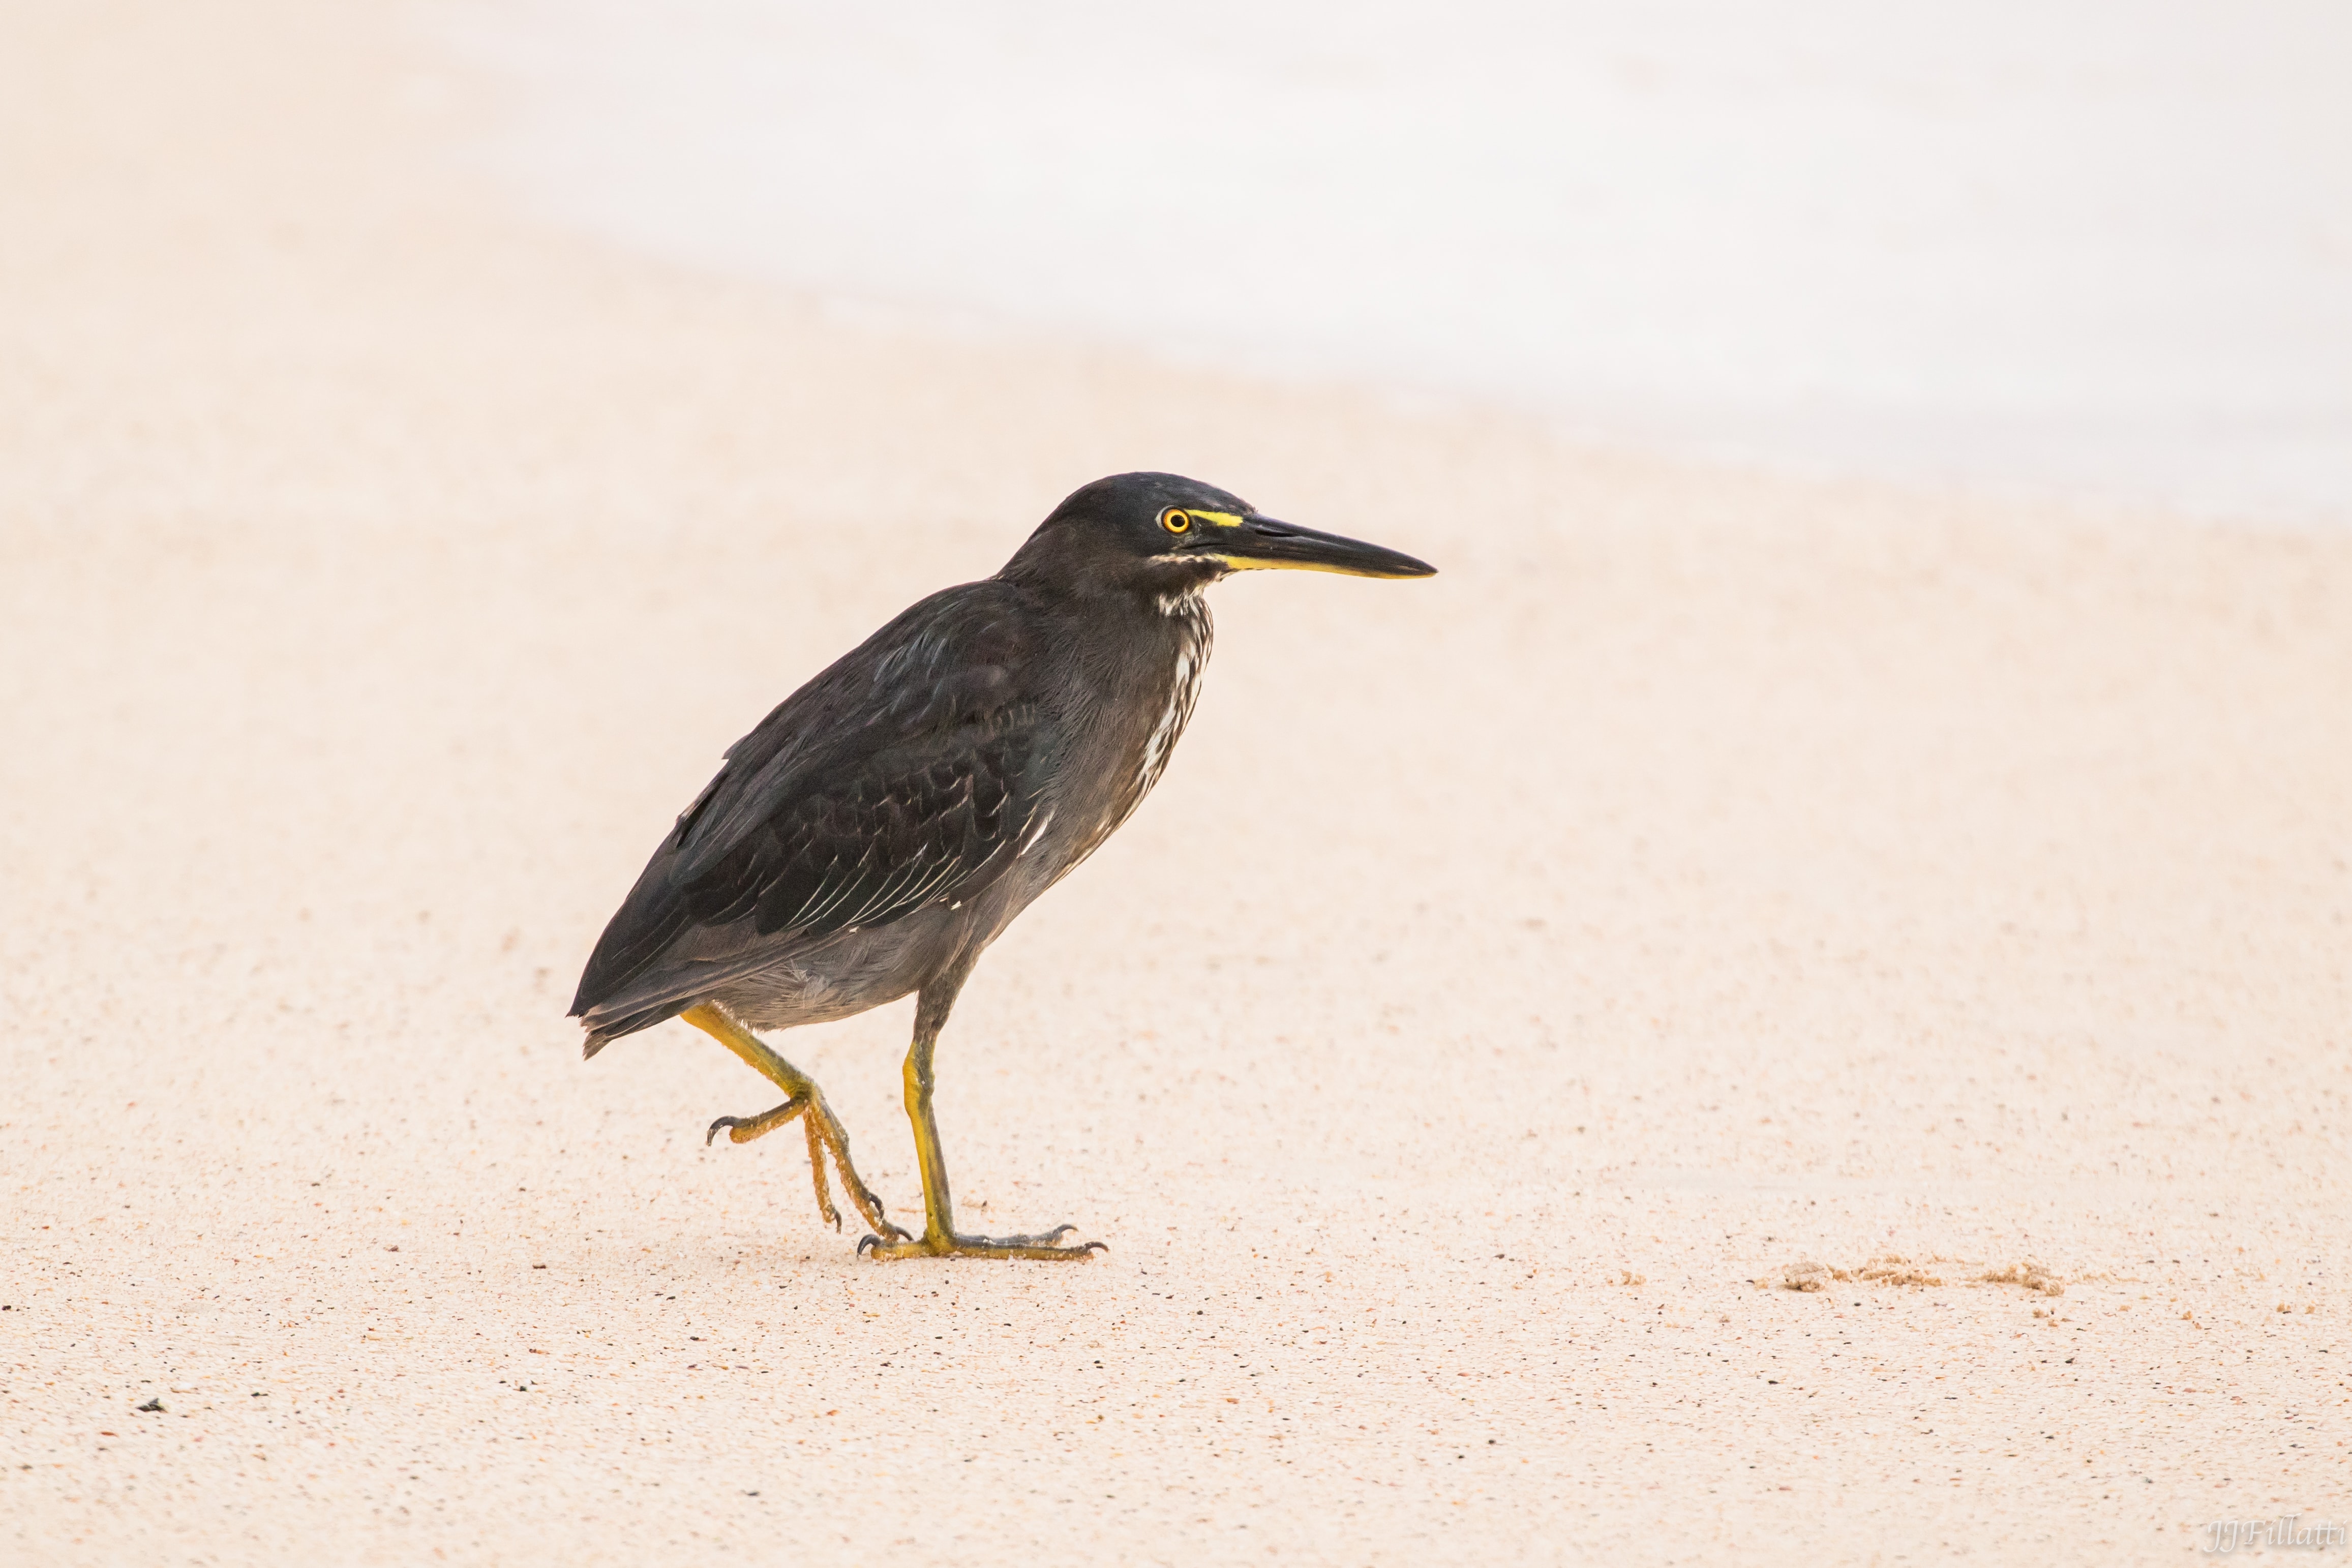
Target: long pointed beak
(1259, 544)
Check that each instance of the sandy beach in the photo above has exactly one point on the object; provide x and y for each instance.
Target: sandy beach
(1712, 881)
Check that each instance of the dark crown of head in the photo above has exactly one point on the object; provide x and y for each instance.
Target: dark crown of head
(1124, 501)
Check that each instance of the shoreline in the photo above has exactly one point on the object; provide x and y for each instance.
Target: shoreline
(1997, 270)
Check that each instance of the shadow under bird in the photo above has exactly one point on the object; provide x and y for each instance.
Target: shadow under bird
(890, 819)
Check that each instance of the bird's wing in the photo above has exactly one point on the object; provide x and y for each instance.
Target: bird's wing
(900, 777)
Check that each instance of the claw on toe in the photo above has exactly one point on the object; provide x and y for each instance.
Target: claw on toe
(896, 1239)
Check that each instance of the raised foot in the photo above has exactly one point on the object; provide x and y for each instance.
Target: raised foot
(1038, 1247)
(825, 1139)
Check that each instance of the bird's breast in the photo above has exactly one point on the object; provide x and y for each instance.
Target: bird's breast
(1138, 718)
(1183, 689)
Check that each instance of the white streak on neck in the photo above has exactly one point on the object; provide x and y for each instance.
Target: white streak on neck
(1191, 657)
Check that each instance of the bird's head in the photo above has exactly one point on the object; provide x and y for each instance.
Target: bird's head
(1163, 533)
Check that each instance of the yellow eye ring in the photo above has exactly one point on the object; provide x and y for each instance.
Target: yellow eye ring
(1175, 520)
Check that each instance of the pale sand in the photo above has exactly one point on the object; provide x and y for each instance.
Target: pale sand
(1704, 874)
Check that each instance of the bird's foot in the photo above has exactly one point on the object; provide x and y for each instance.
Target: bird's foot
(825, 1137)
(933, 1244)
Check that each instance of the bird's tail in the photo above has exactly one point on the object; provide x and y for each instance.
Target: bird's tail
(608, 1022)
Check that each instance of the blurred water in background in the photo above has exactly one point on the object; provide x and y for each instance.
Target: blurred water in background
(2098, 249)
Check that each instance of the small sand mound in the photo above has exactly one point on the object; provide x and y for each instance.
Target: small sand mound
(2028, 1273)
(1807, 1276)
(1894, 1268)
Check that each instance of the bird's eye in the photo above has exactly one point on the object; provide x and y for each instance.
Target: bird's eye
(1175, 520)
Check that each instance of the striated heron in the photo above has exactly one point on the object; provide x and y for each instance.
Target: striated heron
(888, 820)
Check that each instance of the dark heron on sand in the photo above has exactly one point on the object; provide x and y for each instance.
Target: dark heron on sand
(880, 828)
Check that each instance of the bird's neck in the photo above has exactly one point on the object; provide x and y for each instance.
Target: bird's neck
(1188, 616)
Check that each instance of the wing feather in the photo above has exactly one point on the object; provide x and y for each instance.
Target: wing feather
(905, 775)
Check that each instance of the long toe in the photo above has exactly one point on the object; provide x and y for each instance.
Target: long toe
(1046, 1239)
(1041, 1246)
(743, 1129)
(826, 1138)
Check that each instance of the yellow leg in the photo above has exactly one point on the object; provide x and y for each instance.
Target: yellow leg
(826, 1133)
(939, 1238)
